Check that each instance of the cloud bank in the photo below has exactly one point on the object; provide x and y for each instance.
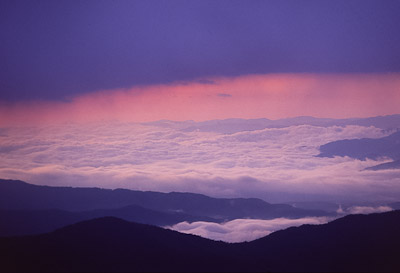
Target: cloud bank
(240, 230)
(368, 210)
(277, 164)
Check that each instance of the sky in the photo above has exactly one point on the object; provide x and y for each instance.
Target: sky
(60, 50)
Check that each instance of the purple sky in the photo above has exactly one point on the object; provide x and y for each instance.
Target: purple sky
(61, 49)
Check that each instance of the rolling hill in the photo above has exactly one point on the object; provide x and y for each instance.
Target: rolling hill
(352, 243)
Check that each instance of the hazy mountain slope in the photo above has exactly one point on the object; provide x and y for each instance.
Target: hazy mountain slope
(26, 222)
(20, 195)
(323, 205)
(395, 205)
(385, 166)
(366, 148)
(389, 122)
(352, 243)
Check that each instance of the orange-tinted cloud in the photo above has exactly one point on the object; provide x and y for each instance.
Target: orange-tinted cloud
(271, 96)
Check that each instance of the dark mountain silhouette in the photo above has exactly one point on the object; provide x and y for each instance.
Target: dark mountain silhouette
(27, 222)
(18, 195)
(366, 148)
(110, 245)
(367, 243)
(353, 243)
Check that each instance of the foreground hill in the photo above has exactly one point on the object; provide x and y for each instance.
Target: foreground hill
(18, 195)
(110, 244)
(368, 243)
(352, 243)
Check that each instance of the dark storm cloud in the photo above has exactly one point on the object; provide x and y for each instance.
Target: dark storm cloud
(57, 49)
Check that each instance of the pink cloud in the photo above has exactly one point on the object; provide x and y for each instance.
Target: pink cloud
(272, 96)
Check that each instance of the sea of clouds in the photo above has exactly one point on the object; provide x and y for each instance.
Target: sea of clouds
(276, 164)
(241, 230)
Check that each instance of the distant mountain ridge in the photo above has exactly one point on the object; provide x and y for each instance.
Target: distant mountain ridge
(26, 222)
(32, 209)
(353, 243)
(366, 148)
(234, 125)
(385, 166)
(15, 194)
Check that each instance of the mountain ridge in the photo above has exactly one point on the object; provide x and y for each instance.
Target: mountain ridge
(352, 243)
(30, 222)
(15, 194)
(364, 148)
(234, 125)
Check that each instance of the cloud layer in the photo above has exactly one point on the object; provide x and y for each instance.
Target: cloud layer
(241, 230)
(278, 164)
(367, 210)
